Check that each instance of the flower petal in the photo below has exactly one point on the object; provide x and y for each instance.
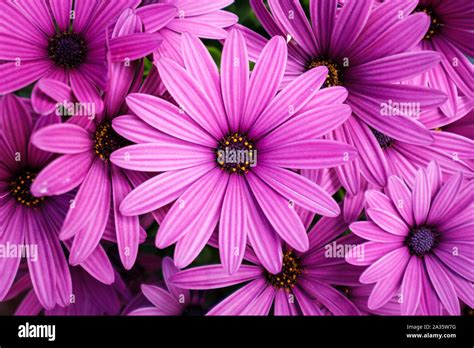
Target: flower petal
(63, 138)
(214, 277)
(309, 154)
(233, 225)
(280, 213)
(300, 190)
(62, 175)
(234, 77)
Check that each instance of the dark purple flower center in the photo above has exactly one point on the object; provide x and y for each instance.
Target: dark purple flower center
(435, 23)
(107, 141)
(421, 240)
(20, 188)
(236, 153)
(290, 272)
(384, 140)
(67, 50)
(335, 71)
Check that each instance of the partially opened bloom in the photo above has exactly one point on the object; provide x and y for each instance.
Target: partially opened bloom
(62, 40)
(420, 241)
(369, 51)
(451, 34)
(308, 283)
(30, 223)
(226, 151)
(170, 301)
(86, 142)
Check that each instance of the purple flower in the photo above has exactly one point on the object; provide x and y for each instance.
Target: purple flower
(306, 284)
(86, 142)
(30, 222)
(420, 240)
(170, 301)
(368, 50)
(450, 33)
(55, 40)
(224, 153)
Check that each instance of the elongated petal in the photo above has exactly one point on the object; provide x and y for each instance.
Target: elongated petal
(168, 118)
(16, 124)
(160, 190)
(196, 235)
(370, 231)
(63, 138)
(289, 101)
(373, 164)
(201, 66)
(190, 95)
(300, 190)
(127, 227)
(186, 211)
(443, 286)
(42, 270)
(280, 213)
(161, 299)
(156, 16)
(14, 234)
(293, 18)
(85, 91)
(388, 222)
(310, 154)
(133, 46)
(214, 277)
(16, 75)
(239, 300)
(421, 197)
(445, 199)
(386, 266)
(372, 251)
(395, 68)
(164, 156)
(311, 124)
(232, 225)
(412, 286)
(262, 237)
(234, 77)
(91, 192)
(349, 24)
(62, 175)
(268, 71)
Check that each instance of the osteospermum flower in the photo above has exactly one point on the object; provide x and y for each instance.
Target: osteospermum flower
(307, 284)
(61, 40)
(86, 144)
(34, 222)
(420, 243)
(450, 33)
(368, 50)
(224, 153)
(172, 300)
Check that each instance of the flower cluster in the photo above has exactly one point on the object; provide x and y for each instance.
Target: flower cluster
(317, 157)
